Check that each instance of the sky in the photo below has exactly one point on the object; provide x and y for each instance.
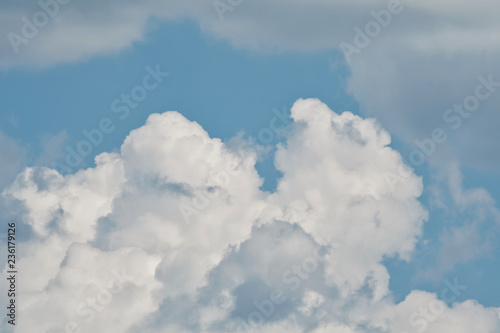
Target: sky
(237, 166)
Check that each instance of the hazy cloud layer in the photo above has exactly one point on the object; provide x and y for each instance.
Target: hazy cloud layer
(415, 61)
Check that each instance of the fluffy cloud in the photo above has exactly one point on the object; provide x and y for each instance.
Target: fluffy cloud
(173, 234)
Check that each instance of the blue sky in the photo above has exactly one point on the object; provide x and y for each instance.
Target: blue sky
(229, 78)
(224, 89)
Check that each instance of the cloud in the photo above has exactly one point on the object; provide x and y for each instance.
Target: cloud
(257, 24)
(67, 30)
(173, 234)
(423, 58)
(422, 312)
(470, 219)
(412, 93)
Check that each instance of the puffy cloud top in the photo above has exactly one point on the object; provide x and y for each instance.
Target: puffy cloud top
(173, 234)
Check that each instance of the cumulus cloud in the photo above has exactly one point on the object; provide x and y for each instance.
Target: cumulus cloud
(173, 234)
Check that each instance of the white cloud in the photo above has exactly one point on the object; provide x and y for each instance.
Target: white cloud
(422, 312)
(352, 174)
(308, 254)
